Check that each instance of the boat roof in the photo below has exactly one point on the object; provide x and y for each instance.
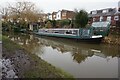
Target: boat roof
(100, 24)
(61, 29)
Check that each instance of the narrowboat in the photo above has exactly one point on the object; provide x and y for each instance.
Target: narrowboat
(97, 30)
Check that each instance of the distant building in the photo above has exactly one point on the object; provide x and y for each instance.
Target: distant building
(104, 15)
(108, 14)
(119, 4)
(66, 14)
(54, 15)
(49, 16)
(58, 15)
(61, 15)
(118, 15)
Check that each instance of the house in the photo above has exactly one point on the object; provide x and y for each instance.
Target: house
(117, 16)
(66, 14)
(63, 14)
(107, 14)
(49, 16)
(117, 19)
(54, 15)
(119, 6)
(58, 15)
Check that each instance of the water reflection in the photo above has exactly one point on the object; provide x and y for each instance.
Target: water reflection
(29, 42)
(77, 58)
(80, 51)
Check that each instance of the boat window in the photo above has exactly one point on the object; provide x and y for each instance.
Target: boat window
(85, 32)
(62, 31)
(42, 30)
(46, 31)
(75, 32)
(56, 32)
(69, 32)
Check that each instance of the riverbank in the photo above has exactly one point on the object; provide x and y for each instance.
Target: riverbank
(18, 63)
(112, 39)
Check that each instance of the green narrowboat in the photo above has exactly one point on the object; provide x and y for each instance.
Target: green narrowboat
(97, 30)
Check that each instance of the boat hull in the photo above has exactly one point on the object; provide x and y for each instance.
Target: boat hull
(77, 38)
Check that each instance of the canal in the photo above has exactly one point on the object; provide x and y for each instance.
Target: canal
(82, 60)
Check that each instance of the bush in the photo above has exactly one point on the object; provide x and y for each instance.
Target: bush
(48, 25)
(53, 22)
(64, 23)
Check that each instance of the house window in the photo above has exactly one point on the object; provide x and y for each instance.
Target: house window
(109, 18)
(64, 14)
(94, 12)
(101, 18)
(104, 11)
(93, 19)
(54, 16)
(116, 18)
(118, 9)
(99, 11)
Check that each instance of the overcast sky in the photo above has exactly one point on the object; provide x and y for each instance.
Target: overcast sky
(55, 5)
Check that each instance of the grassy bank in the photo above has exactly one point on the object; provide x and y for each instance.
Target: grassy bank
(113, 39)
(30, 65)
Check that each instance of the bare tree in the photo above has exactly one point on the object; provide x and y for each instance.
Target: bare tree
(4, 11)
(24, 12)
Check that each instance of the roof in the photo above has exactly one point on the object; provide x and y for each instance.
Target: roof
(49, 14)
(66, 10)
(103, 14)
(117, 13)
(54, 13)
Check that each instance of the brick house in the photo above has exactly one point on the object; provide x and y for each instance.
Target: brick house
(108, 14)
(118, 15)
(63, 14)
(66, 14)
(54, 15)
(117, 18)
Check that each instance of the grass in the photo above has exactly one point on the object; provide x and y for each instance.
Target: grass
(10, 45)
(42, 68)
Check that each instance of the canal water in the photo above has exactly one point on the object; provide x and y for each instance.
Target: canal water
(80, 59)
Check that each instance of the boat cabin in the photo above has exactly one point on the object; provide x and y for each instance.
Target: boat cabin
(101, 28)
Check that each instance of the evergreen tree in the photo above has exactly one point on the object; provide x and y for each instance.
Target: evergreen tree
(81, 19)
